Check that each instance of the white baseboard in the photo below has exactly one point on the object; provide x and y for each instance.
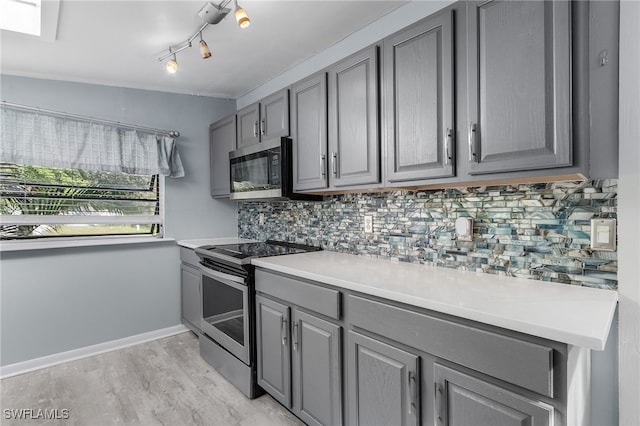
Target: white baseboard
(100, 348)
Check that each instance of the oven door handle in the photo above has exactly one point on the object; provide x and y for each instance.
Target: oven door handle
(227, 278)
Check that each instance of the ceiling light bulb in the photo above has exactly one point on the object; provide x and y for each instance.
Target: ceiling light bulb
(204, 50)
(172, 66)
(241, 17)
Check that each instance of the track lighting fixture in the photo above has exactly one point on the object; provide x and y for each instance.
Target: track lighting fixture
(172, 65)
(211, 14)
(241, 16)
(204, 49)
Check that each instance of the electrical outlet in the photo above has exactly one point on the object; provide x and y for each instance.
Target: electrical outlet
(603, 234)
(368, 224)
(261, 219)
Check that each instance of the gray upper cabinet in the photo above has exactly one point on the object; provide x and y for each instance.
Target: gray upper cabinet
(222, 140)
(248, 132)
(519, 85)
(418, 101)
(264, 120)
(354, 143)
(317, 370)
(309, 133)
(462, 399)
(272, 342)
(384, 383)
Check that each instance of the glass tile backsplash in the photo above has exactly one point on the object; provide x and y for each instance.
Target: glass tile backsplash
(536, 231)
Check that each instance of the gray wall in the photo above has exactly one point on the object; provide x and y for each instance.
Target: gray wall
(57, 300)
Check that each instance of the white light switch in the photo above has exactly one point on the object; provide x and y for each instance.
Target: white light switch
(603, 234)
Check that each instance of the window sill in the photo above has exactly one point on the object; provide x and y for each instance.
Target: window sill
(10, 246)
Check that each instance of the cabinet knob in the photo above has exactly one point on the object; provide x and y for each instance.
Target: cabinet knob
(263, 127)
(255, 129)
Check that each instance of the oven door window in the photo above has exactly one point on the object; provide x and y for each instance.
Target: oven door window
(256, 172)
(225, 310)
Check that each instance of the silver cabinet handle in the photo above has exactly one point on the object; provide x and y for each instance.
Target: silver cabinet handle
(323, 166)
(263, 127)
(437, 391)
(255, 129)
(295, 336)
(334, 161)
(413, 391)
(283, 330)
(448, 147)
(473, 143)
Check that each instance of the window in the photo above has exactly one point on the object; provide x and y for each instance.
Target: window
(40, 202)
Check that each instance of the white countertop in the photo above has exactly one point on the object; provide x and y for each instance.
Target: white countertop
(574, 315)
(192, 244)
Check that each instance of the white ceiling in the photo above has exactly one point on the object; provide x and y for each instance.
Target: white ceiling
(118, 43)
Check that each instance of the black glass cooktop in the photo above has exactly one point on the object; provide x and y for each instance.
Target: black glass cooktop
(246, 251)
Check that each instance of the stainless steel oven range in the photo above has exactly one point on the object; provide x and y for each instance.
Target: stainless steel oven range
(228, 325)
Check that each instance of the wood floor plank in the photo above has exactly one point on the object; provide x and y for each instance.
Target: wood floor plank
(162, 382)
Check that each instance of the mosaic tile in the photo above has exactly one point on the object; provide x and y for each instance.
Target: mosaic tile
(534, 231)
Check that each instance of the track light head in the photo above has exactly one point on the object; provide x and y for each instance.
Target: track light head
(204, 49)
(241, 17)
(172, 65)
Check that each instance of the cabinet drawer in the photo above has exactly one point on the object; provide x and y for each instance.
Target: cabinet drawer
(306, 295)
(522, 363)
(189, 256)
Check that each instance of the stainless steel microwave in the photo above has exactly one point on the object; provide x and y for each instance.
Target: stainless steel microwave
(264, 172)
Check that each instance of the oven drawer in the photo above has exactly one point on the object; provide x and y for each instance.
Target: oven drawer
(307, 295)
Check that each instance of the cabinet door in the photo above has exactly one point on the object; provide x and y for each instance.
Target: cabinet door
(273, 355)
(354, 145)
(383, 383)
(317, 372)
(465, 400)
(418, 100)
(222, 140)
(191, 296)
(519, 85)
(309, 133)
(248, 126)
(274, 116)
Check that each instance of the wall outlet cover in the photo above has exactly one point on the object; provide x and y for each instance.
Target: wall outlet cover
(603, 234)
(464, 228)
(368, 224)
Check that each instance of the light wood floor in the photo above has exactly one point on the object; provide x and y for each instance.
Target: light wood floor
(163, 382)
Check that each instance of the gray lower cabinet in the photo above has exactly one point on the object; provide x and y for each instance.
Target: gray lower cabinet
(191, 295)
(383, 383)
(317, 372)
(462, 399)
(222, 140)
(519, 61)
(299, 354)
(272, 342)
(418, 101)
